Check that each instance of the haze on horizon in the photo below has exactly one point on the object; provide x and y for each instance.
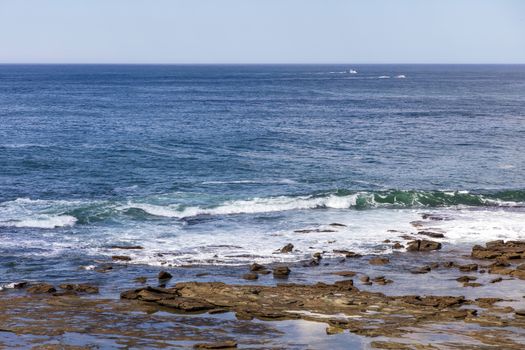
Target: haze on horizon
(262, 31)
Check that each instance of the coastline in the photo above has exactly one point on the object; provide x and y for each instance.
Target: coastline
(439, 298)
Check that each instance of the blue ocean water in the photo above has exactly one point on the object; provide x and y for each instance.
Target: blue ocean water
(222, 164)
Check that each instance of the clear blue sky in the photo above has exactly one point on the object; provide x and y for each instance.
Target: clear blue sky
(262, 31)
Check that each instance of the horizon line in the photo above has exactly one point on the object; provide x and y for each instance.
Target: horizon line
(258, 63)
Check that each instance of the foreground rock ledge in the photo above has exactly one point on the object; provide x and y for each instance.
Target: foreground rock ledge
(341, 305)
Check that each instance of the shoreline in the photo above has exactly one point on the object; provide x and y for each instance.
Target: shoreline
(444, 299)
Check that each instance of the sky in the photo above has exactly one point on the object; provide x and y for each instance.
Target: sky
(262, 31)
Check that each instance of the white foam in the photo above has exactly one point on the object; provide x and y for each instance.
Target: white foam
(401, 76)
(252, 206)
(42, 221)
(384, 77)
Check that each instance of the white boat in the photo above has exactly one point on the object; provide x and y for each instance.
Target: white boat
(352, 71)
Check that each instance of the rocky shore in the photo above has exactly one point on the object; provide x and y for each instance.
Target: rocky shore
(361, 304)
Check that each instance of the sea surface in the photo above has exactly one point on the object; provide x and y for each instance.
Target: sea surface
(221, 165)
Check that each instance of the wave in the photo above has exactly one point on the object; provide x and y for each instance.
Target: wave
(254, 182)
(54, 214)
(340, 200)
(45, 222)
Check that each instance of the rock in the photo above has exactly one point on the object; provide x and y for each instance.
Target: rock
(449, 264)
(387, 241)
(312, 262)
(104, 268)
(318, 255)
(431, 234)
(378, 261)
(520, 267)
(423, 245)
(80, 288)
(281, 271)
(41, 288)
(287, 248)
(468, 267)
(337, 224)
(333, 330)
(130, 247)
(520, 312)
(121, 258)
(381, 280)
(227, 344)
(397, 246)
(314, 230)
(257, 267)
(496, 280)
(472, 284)
(353, 255)
(434, 217)
(518, 274)
(364, 278)
(164, 275)
(420, 270)
(251, 276)
(344, 273)
(141, 279)
(463, 279)
(20, 285)
(500, 249)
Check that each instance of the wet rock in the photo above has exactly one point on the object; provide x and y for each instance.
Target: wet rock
(41, 288)
(434, 217)
(345, 284)
(500, 249)
(344, 273)
(164, 275)
(250, 276)
(423, 245)
(79, 288)
(312, 262)
(330, 330)
(463, 279)
(364, 279)
(287, 248)
(335, 224)
(496, 280)
(318, 255)
(104, 268)
(468, 267)
(381, 280)
(518, 274)
(472, 284)
(421, 270)
(397, 245)
(281, 271)
(120, 258)
(129, 247)
(227, 344)
(520, 313)
(378, 261)
(314, 230)
(431, 234)
(387, 241)
(353, 255)
(20, 285)
(257, 267)
(520, 267)
(141, 279)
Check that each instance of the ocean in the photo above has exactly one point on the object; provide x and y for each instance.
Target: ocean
(224, 164)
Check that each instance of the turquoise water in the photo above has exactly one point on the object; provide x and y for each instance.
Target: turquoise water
(221, 164)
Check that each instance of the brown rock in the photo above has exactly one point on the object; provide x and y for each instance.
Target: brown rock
(431, 234)
(227, 344)
(287, 248)
(468, 267)
(472, 284)
(333, 330)
(257, 267)
(397, 246)
(496, 280)
(164, 275)
(250, 276)
(281, 271)
(423, 245)
(463, 279)
(80, 288)
(420, 270)
(129, 247)
(121, 258)
(141, 279)
(378, 261)
(364, 279)
(345, 273)
(41, 288)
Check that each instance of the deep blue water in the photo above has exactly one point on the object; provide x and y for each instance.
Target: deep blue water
(192, 159)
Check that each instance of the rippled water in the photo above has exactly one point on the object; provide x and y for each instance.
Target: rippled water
(222, 164)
